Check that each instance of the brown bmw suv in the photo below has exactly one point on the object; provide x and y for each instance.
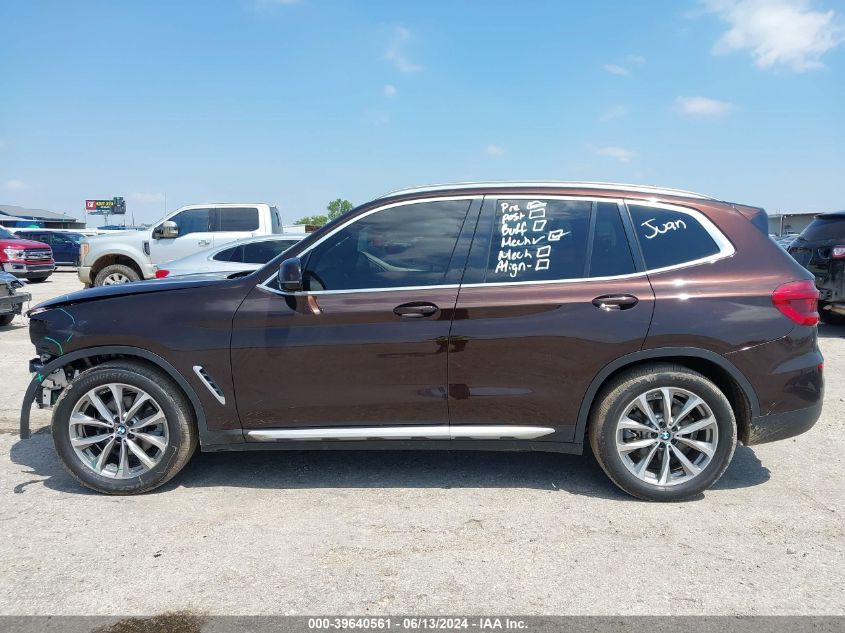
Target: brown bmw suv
(661, 326)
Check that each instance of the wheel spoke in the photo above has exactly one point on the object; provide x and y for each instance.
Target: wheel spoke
(156, 418)
(102, 409)
(701, 447)
(627, 447)
(81, 442)
(123, 465)
(695, 426)
(667, 405)
(87, 420)
(686, 464)
(664, 466)
(689, 406)
(136, 406)
(156, 440)
(140, 454)
(646, 408)
(630, 423)
(103, 456)
(117, 394)
(643, 465)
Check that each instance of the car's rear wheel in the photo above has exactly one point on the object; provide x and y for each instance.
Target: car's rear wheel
(663, 432)
(6, 319)
(116, 274)
(123, 428)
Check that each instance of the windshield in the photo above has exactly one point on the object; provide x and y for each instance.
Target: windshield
(76, 238)
(5, 234)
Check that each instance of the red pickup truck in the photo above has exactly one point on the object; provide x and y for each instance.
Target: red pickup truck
(25, 258)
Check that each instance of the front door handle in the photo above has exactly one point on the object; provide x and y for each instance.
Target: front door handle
(204, 243)
(610, 303)
(415, 310)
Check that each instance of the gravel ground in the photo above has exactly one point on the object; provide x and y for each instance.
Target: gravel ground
(416, 532)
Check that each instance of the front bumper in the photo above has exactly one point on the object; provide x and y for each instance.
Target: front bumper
(25, 269)
(84, 274)
(12, 304)
(779, 426)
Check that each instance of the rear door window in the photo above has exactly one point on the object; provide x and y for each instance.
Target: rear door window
(238, 219)
(668, 237)
(262, 252)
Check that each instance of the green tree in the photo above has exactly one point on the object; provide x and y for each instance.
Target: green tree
(338, 207)
(318, 220)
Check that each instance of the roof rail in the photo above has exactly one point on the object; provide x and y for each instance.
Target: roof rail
(572, 184)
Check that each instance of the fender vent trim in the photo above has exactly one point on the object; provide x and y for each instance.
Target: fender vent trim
(209, 383)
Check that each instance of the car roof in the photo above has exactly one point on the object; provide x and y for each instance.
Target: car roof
(555, 184)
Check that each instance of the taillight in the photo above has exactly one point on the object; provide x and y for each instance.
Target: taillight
(161, 273)
(797, 300)
(837, 252)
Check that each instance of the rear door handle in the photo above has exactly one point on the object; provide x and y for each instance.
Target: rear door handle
(610, 303)
(415, 310)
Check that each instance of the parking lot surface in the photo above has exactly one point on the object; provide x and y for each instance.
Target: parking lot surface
(416, 532)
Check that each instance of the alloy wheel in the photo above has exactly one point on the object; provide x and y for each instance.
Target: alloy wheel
(118, 431)
(116, 278)
(667, 436)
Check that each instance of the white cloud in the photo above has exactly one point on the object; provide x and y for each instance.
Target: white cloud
(702, 106)
(778, 32)
(494, 150)
(616, 112)
(619, 153)
(16, 185)
(146, 198)
(613, 69)
(636, 59)
(395, 52)
(390, 90)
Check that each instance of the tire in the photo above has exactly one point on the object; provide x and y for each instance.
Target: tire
(37, 280)
(714, 417)
(172, 440)
(6, 319)
(116, 274)
(831, 318)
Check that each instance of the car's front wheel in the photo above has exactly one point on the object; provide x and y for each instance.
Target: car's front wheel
(123, 428)
(116, 274)
(663, 432)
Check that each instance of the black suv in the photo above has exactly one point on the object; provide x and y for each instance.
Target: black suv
(821, 249)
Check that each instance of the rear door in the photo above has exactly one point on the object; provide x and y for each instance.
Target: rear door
(552, 294)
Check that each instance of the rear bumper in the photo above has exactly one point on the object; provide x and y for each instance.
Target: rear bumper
(12, 304)
(779, 426)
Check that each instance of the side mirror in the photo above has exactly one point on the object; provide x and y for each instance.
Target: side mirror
(166, 230)
(290, 275)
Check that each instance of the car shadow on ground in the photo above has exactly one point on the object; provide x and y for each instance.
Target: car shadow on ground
(831, 331)
(576, 474)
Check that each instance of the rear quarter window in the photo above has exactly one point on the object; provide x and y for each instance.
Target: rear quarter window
(238, 219)
(668, 237)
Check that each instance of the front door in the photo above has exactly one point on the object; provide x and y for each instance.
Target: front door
(196, 233)
(551, 295)
(365, 344)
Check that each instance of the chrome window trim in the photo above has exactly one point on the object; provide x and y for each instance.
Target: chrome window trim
(726, 248)
(391, 205)
(572, 184)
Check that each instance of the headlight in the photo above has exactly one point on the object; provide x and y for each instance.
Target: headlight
(14, 253)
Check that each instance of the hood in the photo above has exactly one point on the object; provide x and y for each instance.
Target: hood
(21, 243)
(138, 287)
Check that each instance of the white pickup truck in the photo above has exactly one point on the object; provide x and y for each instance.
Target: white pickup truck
(128, 256)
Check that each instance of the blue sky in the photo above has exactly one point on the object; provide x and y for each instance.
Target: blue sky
(299, 102)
